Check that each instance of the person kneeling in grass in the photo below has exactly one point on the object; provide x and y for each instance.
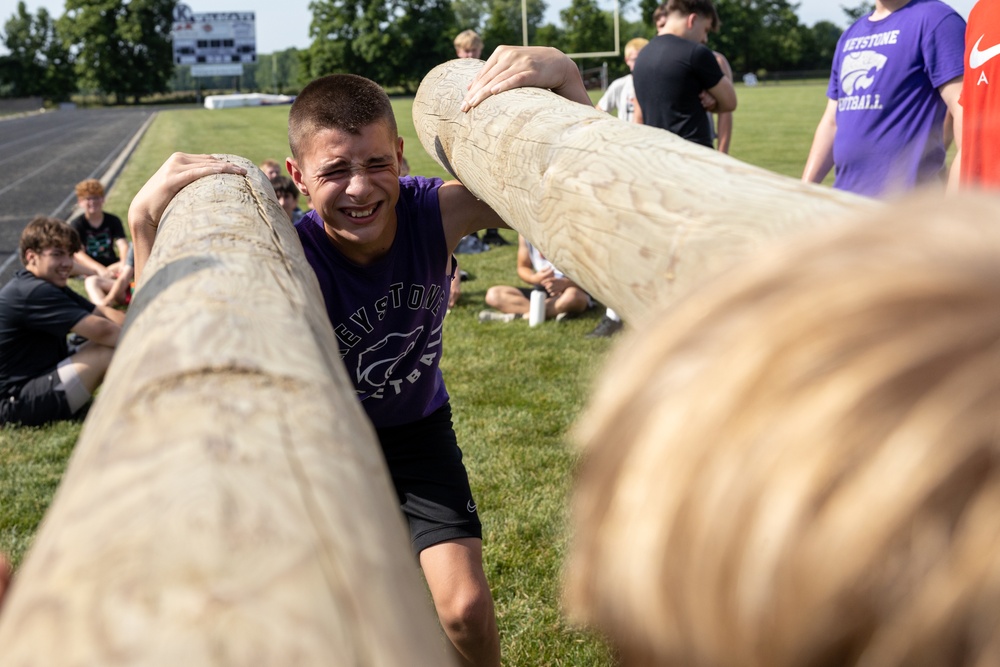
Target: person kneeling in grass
(40, 382)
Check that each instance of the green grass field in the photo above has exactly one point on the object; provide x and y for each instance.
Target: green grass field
(515, 391)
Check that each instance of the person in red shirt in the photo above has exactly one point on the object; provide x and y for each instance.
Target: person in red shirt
(981, 98)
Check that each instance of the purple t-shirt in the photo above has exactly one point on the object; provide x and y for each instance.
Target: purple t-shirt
(388, 316)
(889, 112)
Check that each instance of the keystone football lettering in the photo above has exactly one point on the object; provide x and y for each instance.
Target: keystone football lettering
(376, 371)
(869, 41)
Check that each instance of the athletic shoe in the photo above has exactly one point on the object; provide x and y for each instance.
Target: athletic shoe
(606, 328)
(471, 245)
(494, 316)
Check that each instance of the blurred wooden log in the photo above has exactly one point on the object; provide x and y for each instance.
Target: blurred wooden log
(227, 503)
(634, 214)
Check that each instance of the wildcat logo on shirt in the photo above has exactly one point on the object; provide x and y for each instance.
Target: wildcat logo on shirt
(860, 68)
(390, 364)
(857, 73)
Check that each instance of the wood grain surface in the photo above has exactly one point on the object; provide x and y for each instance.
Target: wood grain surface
(227, 502)
(634, 214)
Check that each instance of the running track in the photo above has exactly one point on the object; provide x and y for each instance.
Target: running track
(43, 156)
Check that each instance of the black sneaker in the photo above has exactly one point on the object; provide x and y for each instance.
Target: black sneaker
(493, 238)
(606, 328)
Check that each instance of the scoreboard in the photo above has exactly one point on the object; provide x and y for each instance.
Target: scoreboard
(213, 38)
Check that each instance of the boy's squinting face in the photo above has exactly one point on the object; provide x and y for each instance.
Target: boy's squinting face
(353, 183)
(52, 264)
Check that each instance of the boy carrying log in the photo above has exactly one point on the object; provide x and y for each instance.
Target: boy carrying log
(381, 247)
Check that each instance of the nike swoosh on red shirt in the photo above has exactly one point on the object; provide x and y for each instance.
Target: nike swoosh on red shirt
(979, 58)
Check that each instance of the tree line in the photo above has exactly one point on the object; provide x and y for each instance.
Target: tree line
(122, 48)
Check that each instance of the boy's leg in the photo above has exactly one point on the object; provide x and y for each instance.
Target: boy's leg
(573, 300)
(454, 574)
(97, 288)
(62, 392)
(85, 370)
(426, 467)
(507, 299)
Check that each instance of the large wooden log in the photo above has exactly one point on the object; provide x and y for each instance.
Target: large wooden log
(635, 214)
(227, 502)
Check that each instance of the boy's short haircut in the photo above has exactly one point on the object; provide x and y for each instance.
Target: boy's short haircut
(468, 40)
(284, 186)
(43, 233)
(685, 7)
(345, 102)
(269, 163)
(635, 44)
(89, 188)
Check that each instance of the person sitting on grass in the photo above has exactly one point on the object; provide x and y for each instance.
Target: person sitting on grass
(40, 382)
(563, 297)
(101, 234)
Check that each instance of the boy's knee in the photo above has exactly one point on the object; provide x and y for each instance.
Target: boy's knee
(95, 356)
(468, 612)
(493, 297)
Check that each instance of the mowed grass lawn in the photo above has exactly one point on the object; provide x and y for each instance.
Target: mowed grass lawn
(515, 391)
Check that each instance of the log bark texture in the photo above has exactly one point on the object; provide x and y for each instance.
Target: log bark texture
(227, 502)
(634, 214)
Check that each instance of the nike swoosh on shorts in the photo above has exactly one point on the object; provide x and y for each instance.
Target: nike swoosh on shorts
(979, 58)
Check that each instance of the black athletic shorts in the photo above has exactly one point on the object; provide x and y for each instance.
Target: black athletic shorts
(430, 479)
(38, 402)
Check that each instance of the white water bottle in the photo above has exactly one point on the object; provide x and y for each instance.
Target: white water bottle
(536, 312)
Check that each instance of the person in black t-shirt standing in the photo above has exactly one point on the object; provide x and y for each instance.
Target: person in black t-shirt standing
(677, 78)
(40, 381)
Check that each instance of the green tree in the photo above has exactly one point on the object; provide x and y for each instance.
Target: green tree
(759, 34)
(504, 23)
(588, 29)
(393, 42)
(858, 10)
(470, 14)
(38, 64)
(277, 72)
(819, 46)
(122, 48)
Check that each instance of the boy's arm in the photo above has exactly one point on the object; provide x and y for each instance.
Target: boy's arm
(820, 160)
(462, 214)
(527, 66)
(725, 96)
(85, 265)
(950, 93)
(147, 208)
(525, 271)
(119, 288)
(99, 329)
(121, 245)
